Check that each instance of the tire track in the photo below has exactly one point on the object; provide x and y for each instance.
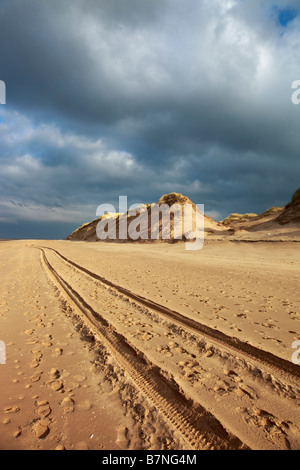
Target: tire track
(198, 428)
(263, 357)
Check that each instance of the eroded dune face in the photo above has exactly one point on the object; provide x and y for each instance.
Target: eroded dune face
(291, 212)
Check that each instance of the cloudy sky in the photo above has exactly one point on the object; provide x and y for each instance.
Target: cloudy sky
(141, 98)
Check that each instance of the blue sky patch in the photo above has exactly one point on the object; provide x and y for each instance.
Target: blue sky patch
(286, 15)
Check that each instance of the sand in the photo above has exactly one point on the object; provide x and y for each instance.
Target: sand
(149, 346)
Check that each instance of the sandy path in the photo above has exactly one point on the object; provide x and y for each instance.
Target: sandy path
(51, 395)
(160, 376)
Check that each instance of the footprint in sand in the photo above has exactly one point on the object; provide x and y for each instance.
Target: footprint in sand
(275, 429)
(79, 378)
(29, 332)
(11, 409)
(47, 343)
(37, 354)
(36, 377)
(240, 315)
(36, 359)
(43, 408)
(34, 364)
(165, 350)
(189, 369)
(17, 433)
(68, 405)
(168, 334)
(54, 383)
(84, 405)
(143, 335)
(57, 352)
(220, 390)
(122, 437)
(33, 340)
(41, 428)
(72, 387)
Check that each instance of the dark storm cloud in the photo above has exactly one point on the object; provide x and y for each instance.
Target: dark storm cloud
(146, 97)
(67, 55)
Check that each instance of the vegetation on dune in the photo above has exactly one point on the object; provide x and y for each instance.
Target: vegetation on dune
(173, 198)
(235, 217)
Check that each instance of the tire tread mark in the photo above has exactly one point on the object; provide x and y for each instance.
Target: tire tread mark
(264, 357)
(172, 405)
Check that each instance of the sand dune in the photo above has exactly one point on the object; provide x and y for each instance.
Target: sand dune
(276, 223)
(134, 346)
(152, 230)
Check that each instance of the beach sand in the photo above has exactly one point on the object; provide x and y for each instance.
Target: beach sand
(149, 346)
